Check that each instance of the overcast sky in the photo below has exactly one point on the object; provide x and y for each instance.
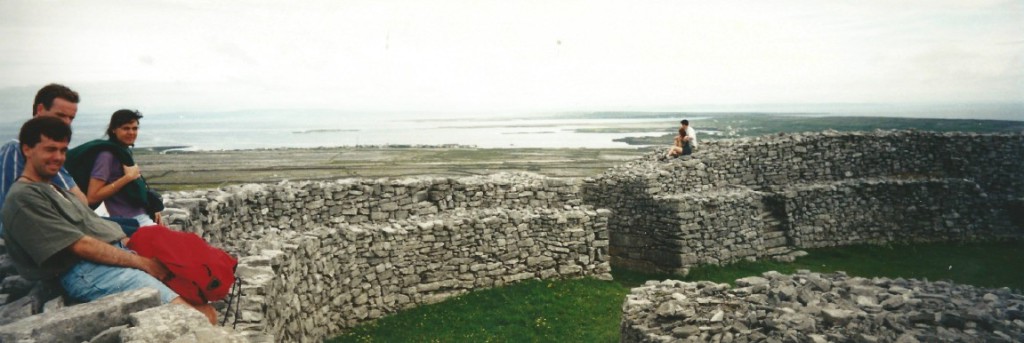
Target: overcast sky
(546, 55)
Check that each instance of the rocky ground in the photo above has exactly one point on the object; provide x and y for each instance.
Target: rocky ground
(813, 307)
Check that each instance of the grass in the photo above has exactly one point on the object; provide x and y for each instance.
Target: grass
(588, 310)
(990, 265)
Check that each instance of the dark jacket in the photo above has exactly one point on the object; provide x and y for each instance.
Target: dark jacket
(81, 159)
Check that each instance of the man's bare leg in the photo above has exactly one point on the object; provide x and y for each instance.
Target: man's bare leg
(206, 309)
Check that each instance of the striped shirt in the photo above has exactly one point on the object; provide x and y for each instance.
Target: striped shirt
(12, 164)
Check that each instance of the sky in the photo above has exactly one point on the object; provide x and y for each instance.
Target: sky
(481, 56)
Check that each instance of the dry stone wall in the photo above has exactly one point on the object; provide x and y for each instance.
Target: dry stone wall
(991, 160)
(768, 196)
(721, 226)
(881, 211)
(244, 212)
(319, 257)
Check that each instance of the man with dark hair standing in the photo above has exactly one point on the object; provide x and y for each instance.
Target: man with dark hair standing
(690, 139)
(52, 100)
(51, 235)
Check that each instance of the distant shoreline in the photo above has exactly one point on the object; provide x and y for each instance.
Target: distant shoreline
(601, 130)
(187, 149)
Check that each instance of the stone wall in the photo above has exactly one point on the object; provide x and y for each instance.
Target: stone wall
(991, 160)
(716, 227)
(244, 212)
(766, 196)
(881, 211)
(319, 257)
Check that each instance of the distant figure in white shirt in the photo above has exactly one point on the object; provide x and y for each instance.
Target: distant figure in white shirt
(690, 139)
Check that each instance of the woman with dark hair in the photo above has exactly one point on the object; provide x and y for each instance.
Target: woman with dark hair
(107, 168)
(679, 145)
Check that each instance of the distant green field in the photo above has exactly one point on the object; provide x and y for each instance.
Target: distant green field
(589, 310)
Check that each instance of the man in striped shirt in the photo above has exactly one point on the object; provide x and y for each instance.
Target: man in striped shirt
(52, 100)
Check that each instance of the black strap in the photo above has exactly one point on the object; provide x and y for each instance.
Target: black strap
(234, 296)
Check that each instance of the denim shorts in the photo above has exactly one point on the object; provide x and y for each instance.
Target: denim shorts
(87, 281)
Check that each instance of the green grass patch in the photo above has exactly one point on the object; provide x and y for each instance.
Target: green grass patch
(990, 265)
(530, 311)
(589, 310)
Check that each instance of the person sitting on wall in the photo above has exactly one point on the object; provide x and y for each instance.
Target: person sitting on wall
(678, 145)
(52, 100)
(108, 170)
(52, 235)
(689, 139)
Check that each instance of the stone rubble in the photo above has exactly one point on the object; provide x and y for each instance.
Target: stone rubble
(815, 307)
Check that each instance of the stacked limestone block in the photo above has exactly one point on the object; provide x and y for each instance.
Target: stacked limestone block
(337, 278)
(969, 186)
(320, 257)
(992, 160)
(683, 230)
(881, 211)
(243, 213)
(813, 307)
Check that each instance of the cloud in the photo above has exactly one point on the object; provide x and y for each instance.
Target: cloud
(524, 55)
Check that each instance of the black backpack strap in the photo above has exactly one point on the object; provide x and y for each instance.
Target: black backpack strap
(234, 296)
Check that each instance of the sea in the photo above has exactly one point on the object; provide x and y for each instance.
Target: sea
(271, 129)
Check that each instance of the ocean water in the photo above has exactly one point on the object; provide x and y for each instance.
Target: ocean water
(249, 131)
(305, 129)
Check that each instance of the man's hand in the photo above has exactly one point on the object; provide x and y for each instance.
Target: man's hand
(158, 219)
(158, 270)
(132, 172)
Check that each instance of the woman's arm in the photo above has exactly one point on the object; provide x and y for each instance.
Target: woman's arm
(100, 190)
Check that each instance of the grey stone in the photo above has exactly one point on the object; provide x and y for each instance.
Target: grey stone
(893, 303)
(176, 323)
(81, 322)
(110, 335)
(751, 281)
(16, 285)
(907, 338)
(16, 310)
(685, 331)
(952, 320)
